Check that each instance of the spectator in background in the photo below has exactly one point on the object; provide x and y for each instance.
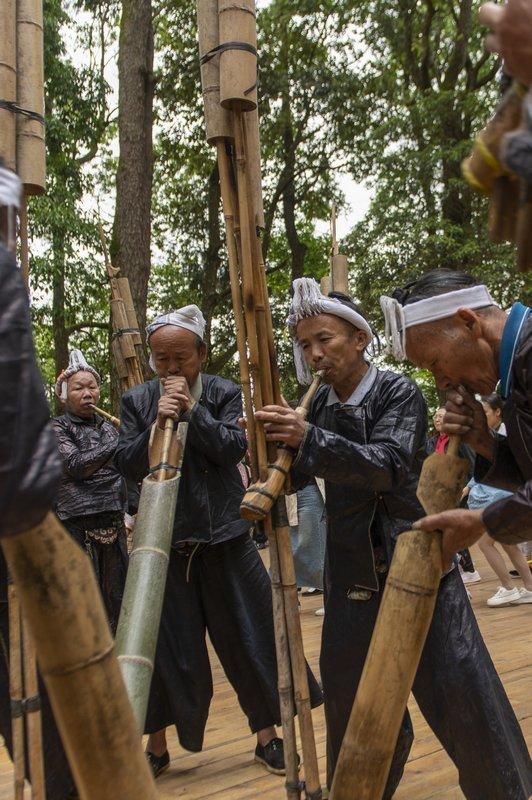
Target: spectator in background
(308, 532)
(479, 496)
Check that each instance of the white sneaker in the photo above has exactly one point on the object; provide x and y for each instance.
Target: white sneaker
(471, 577)
(505, 597)
(525, 596)
(320, 612)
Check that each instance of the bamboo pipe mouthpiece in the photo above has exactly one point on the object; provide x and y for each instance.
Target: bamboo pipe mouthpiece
(261, 496)
(105, 414)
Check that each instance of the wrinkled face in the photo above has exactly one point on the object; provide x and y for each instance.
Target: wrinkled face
(82, 393)
(333, 345)
(493, 416)
(455, 351)
(438, 419)
(175, 352)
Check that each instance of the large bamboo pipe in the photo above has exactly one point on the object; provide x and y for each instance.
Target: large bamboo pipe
(260, 497)
(398, 638)
(61, 601)
(33, 716)
(31, 157)
(8, 82)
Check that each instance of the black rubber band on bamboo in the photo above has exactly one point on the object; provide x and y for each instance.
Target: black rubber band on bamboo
(8, 105)
(278, 468)
(221, 48)
(262, 491)
(26, 706)
(295, 786)
(164, 465)
(121, 331)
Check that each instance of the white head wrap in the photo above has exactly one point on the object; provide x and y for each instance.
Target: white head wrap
(398, 318)
(189, 317)
(10, 188)
(76, 363)
(308, 301)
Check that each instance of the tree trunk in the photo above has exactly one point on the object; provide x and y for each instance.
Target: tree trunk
(58, 308)
(298, 249)
(131, 250)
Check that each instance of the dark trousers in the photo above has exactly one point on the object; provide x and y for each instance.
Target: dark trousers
(456, 687)
(228, 594)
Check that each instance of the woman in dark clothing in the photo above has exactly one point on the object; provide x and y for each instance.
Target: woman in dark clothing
(92, 497)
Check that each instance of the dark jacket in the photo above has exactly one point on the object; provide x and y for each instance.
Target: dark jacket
(91, 483)
(510, 520)
(210, 489)
(370, 457)
(30, 468)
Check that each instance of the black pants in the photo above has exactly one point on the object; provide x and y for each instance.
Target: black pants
(228, 594)
(456, 687)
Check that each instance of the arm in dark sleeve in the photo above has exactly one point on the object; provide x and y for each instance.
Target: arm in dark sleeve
(509, 520)
(221, 440)
(503, 472)
(30, 467)
(131, 457)
(381, 464)
(82, 464)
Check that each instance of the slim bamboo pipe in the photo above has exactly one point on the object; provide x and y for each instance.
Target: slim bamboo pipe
(61, 601)
(16, 692)
(398, 638)
(33, 716)
(165, 450)
(109, 417)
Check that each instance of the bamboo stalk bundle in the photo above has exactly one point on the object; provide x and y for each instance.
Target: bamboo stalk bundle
(16, 692)
(398, 638)
(126, 343)
(238, 54)
(238, 154)
(8, 83)
(33, 716)
(140, 615)
(31, 157)
(62, 604)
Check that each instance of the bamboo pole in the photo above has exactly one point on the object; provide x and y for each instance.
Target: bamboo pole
(8, 82)
(31, 156)
(339, 265)
(398, 639)
(62, 604)
(33, 716)
(238, 66)
(217, 119)
(109, 417)
(16, 692)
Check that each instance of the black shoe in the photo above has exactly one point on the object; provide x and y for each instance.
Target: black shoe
(158, 764)
(272, 756)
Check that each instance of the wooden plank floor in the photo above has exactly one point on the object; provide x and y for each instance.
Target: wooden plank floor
(225, 768)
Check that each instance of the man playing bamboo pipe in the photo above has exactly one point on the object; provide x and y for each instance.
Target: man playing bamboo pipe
(448, 323)
(216, 579)
(365, 436)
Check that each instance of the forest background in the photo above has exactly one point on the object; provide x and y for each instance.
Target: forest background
(356, 97)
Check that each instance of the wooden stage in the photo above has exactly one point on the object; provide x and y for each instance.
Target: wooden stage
(225, 769)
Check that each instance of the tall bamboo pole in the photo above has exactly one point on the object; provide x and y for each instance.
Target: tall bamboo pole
(16, 692)
(62, 604)
(31, 158)
(33, 716)
(8, 82)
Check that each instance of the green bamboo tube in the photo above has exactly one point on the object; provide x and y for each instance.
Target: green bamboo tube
(140, 616)
(31, 157)
(62, 604)
(8, 82)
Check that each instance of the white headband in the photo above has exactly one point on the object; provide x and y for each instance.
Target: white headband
(10, 188)
(189, 317)
(398, 318)
(308, 301)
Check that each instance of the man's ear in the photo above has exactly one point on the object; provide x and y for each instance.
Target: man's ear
(471, 321)
(361, 340)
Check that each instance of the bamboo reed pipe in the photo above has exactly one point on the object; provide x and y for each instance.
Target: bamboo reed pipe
(109, 417)
(260, 497)
(31, 157)
(217, 119)
(8, 82)
(16, 692)
(398, 638)
(62, 604)
(238, 66)
(33, 716)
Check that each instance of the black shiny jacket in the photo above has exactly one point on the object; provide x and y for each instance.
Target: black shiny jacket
(91, 483)
(370, 457)
(30, 468)
(510, 520)
(210, 489)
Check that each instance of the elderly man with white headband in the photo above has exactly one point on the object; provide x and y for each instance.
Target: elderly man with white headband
(365, 435)
(448, 323)
(91, 501)
(216, 579)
